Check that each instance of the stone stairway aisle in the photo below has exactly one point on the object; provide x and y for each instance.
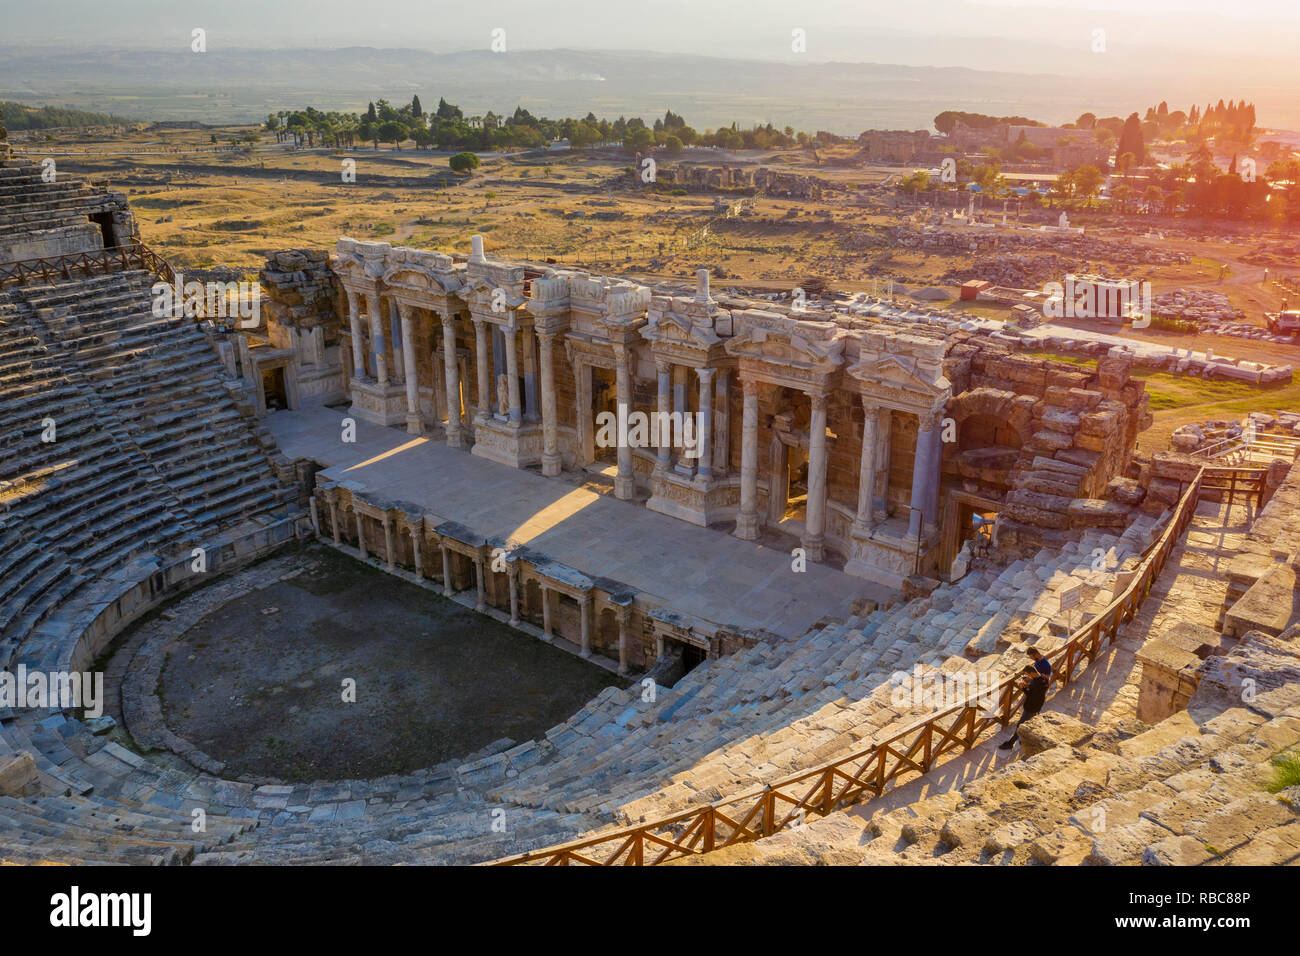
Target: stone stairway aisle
(1100, 786)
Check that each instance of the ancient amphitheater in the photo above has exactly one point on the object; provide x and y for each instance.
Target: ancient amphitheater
(770, 596)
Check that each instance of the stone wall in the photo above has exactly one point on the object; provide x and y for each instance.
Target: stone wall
(1063, 433)
(300, 291)
(760, 179)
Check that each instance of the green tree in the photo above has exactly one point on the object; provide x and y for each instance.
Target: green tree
(1121, 195)
(1087, 182)
(1154, 197)
(393, 132)
(463, 162)
(1131, 139)
(637, 138)
(918, 182)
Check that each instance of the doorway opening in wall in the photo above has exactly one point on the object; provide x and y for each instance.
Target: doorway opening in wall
(796, 483)
(975, 522)
(273, 389)
(691, 655)
(966, 516)
(604, 398)
(788, 467)
(105, 222)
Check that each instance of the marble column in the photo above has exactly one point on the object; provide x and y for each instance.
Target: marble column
(529, 349)
(415, 551)
(623, 615)
(584, 614)
(388, 542)
(586, 425)
(481, 584)
(512, 568)
(550, 427)
(862, 521)
(935, 477)
(625, 480)
(377, 344)
(663, 408)
(334, 519)
(924, 475)
(884, 440)
(814, 537)
(452, 377)
(446, 569)
(485, 390)
(414, 424)
(512, 374)
(721, 450)
(361, 534)
(399, 345)
(747, 519)
(681, 408)
(354, 324)
(703, 464)
(546, 614)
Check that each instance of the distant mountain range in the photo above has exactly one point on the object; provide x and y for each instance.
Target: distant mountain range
(223, 86)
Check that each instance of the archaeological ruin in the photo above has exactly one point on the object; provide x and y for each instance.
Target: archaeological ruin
(771, 528)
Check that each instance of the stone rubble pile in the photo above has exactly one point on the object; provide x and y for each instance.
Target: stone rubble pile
(1075, 248)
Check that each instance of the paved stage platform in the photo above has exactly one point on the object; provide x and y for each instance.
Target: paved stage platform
(705, 573)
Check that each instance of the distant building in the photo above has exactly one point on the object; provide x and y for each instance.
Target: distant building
(897, 146)
(1062, 147)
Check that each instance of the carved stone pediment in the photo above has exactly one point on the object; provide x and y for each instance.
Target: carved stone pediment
(787, 349)
(672, 328)
(902, 378)
(483, 296)
(415, 279)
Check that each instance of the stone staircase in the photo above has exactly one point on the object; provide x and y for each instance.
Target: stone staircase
(1097, 786)
(1190, 790)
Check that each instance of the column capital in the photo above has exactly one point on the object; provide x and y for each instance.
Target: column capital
(818, 398)
(663, 366)
(706, 375)
(931, 419)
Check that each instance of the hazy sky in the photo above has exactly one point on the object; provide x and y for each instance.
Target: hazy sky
(855, 30)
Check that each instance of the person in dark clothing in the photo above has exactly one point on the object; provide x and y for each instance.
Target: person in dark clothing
(1041, 663)
(1034, 684)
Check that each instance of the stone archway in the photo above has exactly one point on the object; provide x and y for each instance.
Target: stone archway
(1013, 414)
